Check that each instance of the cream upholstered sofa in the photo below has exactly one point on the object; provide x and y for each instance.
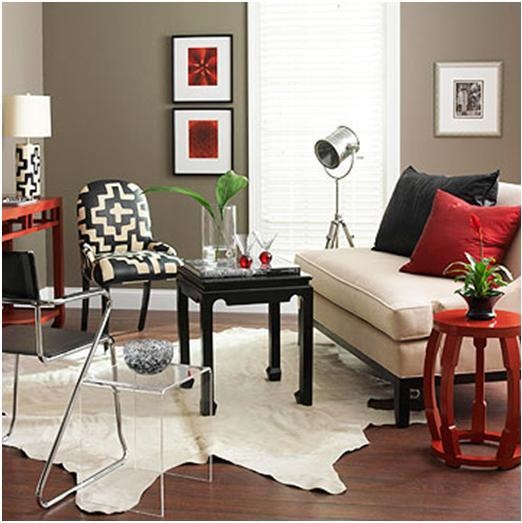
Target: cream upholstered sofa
(384, 317)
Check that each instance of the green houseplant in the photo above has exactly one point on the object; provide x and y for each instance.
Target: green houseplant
(481, 278)
(218, 219)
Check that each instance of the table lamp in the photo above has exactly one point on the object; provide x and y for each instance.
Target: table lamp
(27, 116)
(339, 146)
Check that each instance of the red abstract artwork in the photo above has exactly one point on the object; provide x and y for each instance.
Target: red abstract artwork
(202, 66)
(203, 138)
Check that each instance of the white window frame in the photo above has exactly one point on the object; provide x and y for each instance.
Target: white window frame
(392, 147)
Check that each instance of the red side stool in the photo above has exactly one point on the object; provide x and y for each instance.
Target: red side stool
(446, 437)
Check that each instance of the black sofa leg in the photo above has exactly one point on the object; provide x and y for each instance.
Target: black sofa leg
(144, 305)
(85, 304)
(401, 403)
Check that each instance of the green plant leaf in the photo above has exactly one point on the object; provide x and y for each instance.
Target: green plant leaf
(227, 186)
(470, 258)
(187, 192)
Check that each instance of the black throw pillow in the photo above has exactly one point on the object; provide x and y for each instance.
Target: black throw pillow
(411, 201)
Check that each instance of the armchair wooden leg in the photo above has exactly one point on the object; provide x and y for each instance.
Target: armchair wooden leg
(401, 403)
(85, 303)
(104, 303)
(144, 305)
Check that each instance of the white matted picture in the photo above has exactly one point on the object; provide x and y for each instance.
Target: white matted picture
(202, 141)
(468, 98)
(202, 68)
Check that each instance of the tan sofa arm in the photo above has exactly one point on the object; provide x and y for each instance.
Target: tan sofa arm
(510, 301)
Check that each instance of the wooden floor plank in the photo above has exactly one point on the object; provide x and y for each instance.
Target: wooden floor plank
(394, 478)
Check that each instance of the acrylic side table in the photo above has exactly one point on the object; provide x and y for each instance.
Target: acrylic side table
(122, 378)
(446, 437)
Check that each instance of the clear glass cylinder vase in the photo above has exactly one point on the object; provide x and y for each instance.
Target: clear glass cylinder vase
(217, 233)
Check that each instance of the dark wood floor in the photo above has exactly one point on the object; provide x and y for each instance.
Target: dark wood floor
(394, 478)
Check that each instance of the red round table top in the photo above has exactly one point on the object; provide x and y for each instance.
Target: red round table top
(455, 321)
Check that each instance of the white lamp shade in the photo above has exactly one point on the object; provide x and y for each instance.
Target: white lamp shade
(27, 116)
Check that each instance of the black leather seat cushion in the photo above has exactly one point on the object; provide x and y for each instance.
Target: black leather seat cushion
(20, 339)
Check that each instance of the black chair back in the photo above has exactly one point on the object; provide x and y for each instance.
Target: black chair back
(19, 278)
(113, 216)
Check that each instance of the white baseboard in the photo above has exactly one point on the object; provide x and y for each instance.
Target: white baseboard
(163, 300)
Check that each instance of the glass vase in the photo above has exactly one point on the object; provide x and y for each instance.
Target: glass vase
(218, 236)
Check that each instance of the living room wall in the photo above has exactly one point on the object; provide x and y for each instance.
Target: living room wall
(22, 72)
(107, 67)
(433, 32)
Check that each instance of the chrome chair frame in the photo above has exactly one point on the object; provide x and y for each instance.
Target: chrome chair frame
(100, 337)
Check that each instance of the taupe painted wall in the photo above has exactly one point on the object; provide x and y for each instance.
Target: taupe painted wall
(108, 68)
(22, 72)
(433, 32)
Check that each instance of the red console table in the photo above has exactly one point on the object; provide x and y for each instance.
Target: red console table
(20, 220)
(446, 437)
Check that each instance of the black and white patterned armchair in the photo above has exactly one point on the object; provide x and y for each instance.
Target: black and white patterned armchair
(116, 242)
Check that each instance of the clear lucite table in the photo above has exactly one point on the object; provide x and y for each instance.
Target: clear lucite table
(135, 392)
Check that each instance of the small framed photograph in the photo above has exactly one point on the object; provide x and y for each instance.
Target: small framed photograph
(202, 141)
(468, 98)
(202, 68)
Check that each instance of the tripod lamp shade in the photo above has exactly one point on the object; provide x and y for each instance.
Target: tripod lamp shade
(336, 147)
(27, 116)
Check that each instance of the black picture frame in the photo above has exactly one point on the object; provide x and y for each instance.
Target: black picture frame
(176, 98)
(173, 139)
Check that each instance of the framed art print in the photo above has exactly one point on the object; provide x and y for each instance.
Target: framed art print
(202, 68)
(202, 141)
(468, 98)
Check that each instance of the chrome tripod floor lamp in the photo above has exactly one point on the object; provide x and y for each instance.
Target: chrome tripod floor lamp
(340, 146)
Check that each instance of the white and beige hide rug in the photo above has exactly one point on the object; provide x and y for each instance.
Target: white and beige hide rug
(258, 424)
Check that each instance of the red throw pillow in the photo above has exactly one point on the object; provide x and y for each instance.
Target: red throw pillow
(448, 234)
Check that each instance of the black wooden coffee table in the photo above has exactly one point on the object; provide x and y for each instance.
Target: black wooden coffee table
(242, 288)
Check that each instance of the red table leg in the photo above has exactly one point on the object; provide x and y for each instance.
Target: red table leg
(59, 287)
(478, 420)
(449, 432)
(430, 398)
(508, 454)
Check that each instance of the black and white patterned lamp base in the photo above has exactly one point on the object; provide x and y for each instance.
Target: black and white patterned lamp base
(28, 170)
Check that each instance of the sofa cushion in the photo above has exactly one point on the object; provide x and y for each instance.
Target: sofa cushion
(509, 194)
(368, 284)
(448, 235)
(411, 201)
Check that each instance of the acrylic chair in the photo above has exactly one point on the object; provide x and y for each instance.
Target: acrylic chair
(20, 287)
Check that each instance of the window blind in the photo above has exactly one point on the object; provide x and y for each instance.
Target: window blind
(315, 66)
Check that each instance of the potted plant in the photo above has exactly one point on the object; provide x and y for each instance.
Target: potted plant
(218, 219)
(482, 279)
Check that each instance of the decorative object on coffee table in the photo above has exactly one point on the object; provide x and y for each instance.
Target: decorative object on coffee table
(468, 99)
(481, 278)
(202, 68)
(243, 287)
(27, 116)
(148, 356)
(332, 151)
(446, 437)
(218, 220)
(265, 256)
(202, 141)
(244, 243)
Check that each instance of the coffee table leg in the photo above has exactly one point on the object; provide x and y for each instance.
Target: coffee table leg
(206, 325)
(273, 371)
(183, 333)
(306, 349)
